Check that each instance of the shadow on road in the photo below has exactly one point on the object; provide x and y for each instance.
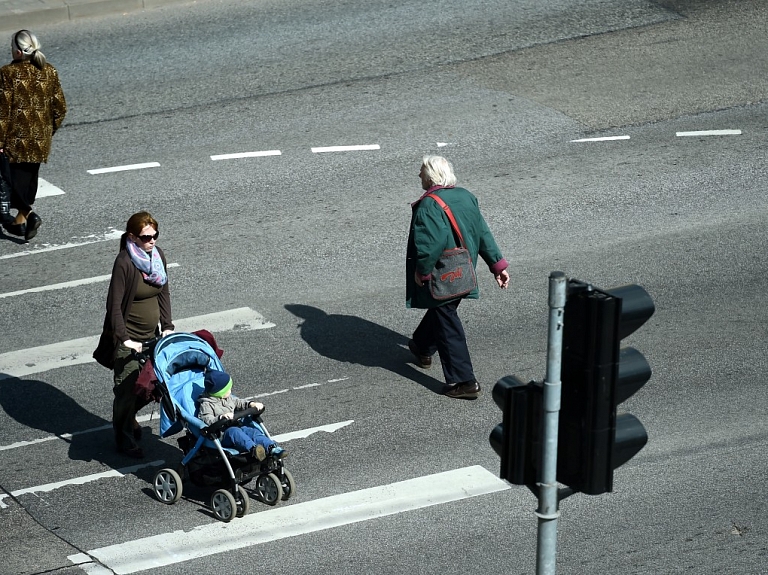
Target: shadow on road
(351, 339)
(38, 405)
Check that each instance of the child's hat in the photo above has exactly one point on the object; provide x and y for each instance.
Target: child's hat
(217, 383)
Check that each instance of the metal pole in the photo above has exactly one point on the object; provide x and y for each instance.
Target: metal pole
(548, 512)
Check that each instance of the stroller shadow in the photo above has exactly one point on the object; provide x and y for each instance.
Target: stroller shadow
(38, 405)
(351, 339)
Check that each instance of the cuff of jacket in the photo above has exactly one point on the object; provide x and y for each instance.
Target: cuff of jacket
(425, 278)
(498, 267)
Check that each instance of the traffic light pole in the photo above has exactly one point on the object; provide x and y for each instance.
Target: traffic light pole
(548, 511)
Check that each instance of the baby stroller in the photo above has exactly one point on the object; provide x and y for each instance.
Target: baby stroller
(180, 361)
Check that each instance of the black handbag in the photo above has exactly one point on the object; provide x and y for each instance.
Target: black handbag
(454, 274)
(5, 190)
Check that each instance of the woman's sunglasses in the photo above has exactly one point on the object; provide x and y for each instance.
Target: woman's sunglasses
(147, 238)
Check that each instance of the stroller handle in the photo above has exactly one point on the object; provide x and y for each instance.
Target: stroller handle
(222, 424)
(146, 350)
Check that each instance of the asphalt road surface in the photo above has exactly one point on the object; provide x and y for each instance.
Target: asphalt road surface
(278, 144)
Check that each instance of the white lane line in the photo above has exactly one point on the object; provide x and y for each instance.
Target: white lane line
(113, 234)
(246, 155)
(77, 351)
(709, 133)
(602, 139)
(46, 189)
(78, 481)
(346, 148)
(65, 436)
(125, 168)
(280, 438)
(64, 285)
(293, 520)
(304, 433)
(149, 416)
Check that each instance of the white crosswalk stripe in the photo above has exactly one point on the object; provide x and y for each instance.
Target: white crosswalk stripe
(29, 361)
(301, 518)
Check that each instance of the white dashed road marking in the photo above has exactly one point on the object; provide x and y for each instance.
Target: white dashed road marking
(125, 168)
(709, 133)
(603, 139)
(246, 155)
(345, 148)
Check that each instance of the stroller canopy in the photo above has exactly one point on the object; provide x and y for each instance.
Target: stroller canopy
(180, 361)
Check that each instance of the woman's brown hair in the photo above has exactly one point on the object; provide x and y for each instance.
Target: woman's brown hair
(135, 224)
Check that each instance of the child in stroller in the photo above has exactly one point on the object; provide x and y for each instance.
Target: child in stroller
(218, 403)
(181, 363)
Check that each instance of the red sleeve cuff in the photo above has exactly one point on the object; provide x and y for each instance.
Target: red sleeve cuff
(499, 267)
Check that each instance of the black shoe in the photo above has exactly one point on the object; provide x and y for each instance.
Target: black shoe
(33, 223)
(423, 361)
(16, 229)
(466, 390)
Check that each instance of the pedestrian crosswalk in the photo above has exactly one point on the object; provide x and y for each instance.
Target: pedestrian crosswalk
(74, 481)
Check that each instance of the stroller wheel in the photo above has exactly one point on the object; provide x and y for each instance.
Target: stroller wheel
(243, 501)
(167, 486)
(289, 485)
(269, 489)
(223, 505)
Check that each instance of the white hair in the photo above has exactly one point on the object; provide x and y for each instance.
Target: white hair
(438, 171)
(27, 43)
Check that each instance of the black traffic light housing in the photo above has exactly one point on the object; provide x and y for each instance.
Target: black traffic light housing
(517, 440)
(596, 377)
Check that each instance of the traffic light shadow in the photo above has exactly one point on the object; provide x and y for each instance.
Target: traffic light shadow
(351, 339)
(38, 405)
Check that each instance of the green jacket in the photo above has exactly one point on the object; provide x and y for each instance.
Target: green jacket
(32, 108)
(431, 233)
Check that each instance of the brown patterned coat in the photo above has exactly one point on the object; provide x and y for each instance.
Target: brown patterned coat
(32, 108)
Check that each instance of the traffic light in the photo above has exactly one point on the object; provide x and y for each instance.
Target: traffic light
(596, 377)
(517, 440)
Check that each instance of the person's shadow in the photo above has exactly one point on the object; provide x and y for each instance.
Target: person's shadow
(38, 405)
(351, 339)
(10, 238)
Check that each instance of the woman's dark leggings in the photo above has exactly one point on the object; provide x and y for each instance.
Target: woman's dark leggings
(24, 176)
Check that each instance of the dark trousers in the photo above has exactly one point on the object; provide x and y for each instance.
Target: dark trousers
(126, 402)
(441, 331)
(24, 179)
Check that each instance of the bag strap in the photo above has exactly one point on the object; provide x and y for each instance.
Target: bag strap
(449, 213)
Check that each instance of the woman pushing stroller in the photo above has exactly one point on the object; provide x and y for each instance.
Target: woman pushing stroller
(218, 403)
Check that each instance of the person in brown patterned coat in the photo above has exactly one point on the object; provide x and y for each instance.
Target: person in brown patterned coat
(32, 108)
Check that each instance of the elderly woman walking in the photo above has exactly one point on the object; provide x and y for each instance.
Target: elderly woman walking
(32, 108)
(440, 330)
